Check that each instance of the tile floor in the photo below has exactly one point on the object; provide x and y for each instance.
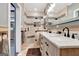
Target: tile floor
(25, 49)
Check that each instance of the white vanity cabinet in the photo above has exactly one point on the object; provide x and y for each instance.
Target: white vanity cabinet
(47, 48)
(42, 45)
(58, 45)
(53, 50)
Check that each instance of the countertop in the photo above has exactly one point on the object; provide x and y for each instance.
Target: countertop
(61, 41)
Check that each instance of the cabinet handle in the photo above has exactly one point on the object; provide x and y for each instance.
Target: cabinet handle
(35, 39)
(47, 53)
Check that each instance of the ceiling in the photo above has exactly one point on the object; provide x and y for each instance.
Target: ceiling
(37, 9)
(59, 6)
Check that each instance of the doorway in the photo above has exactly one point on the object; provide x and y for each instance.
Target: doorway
(15, 31)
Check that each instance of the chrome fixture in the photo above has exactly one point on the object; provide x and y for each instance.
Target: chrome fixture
(67, 35)
(73, 35)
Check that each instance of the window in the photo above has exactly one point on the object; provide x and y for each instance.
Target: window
(76, 13)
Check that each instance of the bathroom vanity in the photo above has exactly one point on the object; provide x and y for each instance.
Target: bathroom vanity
(52, 44)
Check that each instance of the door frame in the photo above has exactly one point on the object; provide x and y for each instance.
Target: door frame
(18, 19)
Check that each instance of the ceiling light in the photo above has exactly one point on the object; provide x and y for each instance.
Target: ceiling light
(35, 9)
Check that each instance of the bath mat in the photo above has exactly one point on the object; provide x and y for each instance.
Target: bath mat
(33, 52)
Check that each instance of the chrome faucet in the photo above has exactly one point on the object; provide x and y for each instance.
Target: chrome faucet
(67, 35)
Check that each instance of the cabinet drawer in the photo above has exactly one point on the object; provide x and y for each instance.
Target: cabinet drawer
(46, 43)
(42, 52)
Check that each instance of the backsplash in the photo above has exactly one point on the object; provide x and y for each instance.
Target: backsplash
(74, 29)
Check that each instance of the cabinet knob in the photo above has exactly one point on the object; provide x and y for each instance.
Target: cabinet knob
(46, 43)
(35, 39)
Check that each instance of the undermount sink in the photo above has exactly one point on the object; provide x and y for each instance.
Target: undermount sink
(53, 34)
(59, 37)
(62, 38)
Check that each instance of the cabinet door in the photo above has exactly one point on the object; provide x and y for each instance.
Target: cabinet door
(47, 47)
(42, 47)
(53, 50)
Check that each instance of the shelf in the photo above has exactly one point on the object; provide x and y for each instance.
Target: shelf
(72, 20)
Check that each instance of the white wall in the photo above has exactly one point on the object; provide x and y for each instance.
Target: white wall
(18, 29)
(4, 14)
(70, 13)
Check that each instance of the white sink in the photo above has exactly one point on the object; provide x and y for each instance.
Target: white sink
(59, 37)
(66, 39)
(54, 34)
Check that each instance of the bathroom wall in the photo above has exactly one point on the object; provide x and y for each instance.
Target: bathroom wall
(73, 26)
(4, 14)
(70, 14)
(18, 28)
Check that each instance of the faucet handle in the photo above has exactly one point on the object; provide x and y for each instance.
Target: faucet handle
(73, 35)
(64, 34)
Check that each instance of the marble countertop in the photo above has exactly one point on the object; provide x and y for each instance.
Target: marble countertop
(61, 41)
